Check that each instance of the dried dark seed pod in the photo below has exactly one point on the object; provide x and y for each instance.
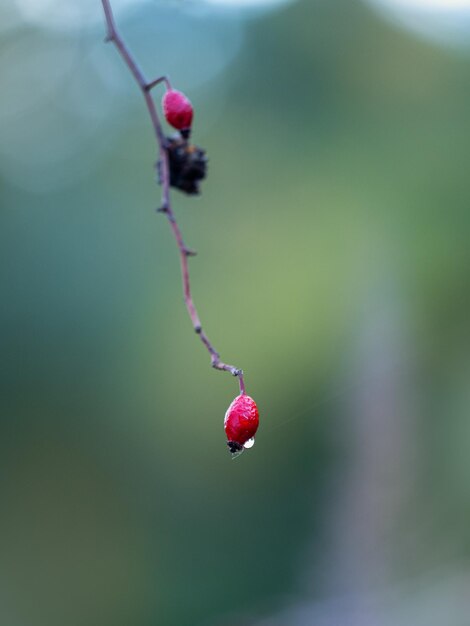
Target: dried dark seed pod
(188, 164)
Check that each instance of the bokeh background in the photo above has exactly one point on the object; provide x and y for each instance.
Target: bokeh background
(334, 267)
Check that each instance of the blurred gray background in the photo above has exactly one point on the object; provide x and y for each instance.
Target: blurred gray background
(333, 266)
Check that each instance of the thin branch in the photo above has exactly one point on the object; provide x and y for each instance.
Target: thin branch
(164, 171)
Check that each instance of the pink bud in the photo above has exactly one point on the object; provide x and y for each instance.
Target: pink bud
(177, 109)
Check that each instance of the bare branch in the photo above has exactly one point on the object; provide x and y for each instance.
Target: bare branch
(164, 174)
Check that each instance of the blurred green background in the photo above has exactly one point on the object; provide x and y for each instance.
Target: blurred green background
(333, 266)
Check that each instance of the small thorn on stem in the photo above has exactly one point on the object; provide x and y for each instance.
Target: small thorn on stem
(189, 252)
(162, 209)
(198, 330)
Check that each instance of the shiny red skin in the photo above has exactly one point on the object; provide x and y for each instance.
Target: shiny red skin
(177, 109)
(241, 419)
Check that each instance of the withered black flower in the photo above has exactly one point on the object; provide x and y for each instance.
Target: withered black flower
(188, 164)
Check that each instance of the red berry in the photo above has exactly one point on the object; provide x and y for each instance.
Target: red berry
(177, 109)
(241, 423)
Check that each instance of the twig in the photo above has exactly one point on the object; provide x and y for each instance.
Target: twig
(145, 87)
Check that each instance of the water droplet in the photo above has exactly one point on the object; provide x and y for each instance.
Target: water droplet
(250, 443)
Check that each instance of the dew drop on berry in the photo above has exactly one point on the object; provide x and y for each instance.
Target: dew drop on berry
(250, 443)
